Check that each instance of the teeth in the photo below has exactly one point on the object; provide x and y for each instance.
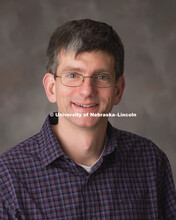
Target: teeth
(85, 106)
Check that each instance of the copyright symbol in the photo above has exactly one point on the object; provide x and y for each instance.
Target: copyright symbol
(51, 114)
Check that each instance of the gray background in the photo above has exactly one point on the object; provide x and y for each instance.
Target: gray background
(148, 31)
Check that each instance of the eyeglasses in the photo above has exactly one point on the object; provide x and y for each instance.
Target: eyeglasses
(103, 80)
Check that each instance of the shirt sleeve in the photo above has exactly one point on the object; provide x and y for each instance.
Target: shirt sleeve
(166, 191)
(5, 213)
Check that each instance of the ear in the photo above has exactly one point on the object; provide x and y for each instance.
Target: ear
(120, 86)
(49, 85)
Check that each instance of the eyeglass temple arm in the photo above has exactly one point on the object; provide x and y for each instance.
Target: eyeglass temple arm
(56, 75)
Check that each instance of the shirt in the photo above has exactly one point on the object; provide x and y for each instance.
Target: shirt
(89, 168)
(131, 181)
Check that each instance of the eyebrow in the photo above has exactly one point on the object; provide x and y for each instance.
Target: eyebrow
(70, 68)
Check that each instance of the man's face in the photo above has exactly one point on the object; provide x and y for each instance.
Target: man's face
(85, 98)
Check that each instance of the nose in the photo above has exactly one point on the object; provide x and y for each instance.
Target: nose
(87, 88)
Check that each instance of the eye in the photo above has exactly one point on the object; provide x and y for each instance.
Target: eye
(102, 77)
(72, 75)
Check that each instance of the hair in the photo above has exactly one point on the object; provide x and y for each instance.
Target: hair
(85, 36)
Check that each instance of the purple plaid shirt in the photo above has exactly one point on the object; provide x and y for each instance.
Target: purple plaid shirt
(132, 180)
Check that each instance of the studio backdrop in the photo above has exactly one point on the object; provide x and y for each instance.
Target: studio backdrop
(148, 32)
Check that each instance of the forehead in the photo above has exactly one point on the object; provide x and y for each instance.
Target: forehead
(86, 61)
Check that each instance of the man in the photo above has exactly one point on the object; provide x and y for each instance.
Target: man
(78, 166)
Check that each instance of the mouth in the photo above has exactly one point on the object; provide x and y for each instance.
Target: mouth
(86, 106)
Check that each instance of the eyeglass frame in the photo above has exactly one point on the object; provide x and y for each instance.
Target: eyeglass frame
(83, 77)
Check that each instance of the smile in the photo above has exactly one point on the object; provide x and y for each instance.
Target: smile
(86, 106)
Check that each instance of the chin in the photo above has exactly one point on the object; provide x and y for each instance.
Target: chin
(88, 122)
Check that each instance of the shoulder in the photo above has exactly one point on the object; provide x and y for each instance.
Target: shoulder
(20, 151)
(140, 153)
(130, 139)
(14, 165)
(17, 159)
(137, 146)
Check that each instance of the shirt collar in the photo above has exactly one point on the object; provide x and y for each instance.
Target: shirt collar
(112, 140)
(50, 149)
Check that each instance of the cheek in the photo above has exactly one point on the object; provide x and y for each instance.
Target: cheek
(108, 98)
(112, 99)
(64, 96)
(62, 91)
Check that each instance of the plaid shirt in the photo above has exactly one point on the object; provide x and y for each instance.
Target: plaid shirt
(132, 180)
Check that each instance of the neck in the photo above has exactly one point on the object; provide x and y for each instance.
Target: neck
(83, 145)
